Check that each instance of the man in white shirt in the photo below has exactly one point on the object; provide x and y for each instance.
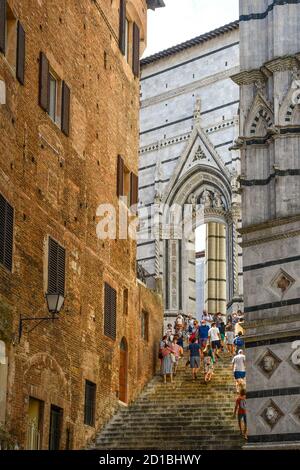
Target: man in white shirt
(215, 339)
(239, 368)
(207, 317)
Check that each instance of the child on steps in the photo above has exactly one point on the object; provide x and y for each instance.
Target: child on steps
(208, 364)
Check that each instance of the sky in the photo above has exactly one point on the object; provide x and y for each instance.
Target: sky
(181, 20)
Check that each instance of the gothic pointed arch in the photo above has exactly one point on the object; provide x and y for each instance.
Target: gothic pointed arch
(260, 117)
(289, 112)
(198, 156)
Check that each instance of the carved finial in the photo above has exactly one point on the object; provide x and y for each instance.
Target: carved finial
(197, 112)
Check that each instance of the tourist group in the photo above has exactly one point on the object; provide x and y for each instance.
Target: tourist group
(205, 342)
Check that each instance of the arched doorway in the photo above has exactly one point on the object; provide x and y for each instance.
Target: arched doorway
(123, 371)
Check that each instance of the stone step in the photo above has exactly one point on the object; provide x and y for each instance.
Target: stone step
(199, 415)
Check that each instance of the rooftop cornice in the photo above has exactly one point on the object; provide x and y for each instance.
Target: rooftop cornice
(152, 4)
(191, 42)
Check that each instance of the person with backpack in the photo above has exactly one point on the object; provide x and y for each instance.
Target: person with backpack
(239, 342)
(241, 412)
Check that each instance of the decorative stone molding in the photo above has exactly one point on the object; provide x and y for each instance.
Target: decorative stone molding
(296, 413)
(281, 283)
(260, 112)
(162, 97)
(282, 64)
(294, 359)
(268, 363)
(248, 77)
(259, 241)
(199, 155)
(271, 414)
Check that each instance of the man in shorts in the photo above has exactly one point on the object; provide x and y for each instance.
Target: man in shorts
(240, 410)
(215, 339)
(239, 369)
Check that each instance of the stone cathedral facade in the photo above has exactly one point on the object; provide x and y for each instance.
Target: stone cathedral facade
(269, 143)
(189, 169)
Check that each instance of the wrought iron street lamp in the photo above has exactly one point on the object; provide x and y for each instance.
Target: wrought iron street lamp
(54, 304)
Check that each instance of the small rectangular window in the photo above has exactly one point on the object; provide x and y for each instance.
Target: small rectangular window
(89, 403)
(55, 97)
(11, 38)
(52, 96)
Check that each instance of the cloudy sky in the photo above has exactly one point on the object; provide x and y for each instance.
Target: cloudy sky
(184, 19)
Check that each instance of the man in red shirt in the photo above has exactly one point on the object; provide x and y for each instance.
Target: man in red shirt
(240, 409)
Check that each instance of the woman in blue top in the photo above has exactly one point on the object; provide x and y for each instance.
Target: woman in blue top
(194, 349)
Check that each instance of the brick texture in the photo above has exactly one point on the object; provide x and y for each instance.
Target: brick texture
(55, 184)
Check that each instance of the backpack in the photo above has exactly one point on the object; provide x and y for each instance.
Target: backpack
(239, 342)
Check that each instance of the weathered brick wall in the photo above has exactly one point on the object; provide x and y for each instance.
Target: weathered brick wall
(55, 184)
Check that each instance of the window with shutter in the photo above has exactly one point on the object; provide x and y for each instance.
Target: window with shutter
(44, 83)
(65, 114)
(56, 268)
(110, 311)
(3, 26)
(89, 403)
(120, 176)
(8, 33)
(144, 325)
(6, 233)
(122, 27)
(133, 189)
(136, 50)
(20, 54)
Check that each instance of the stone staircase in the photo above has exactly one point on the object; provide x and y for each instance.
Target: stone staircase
(185, 415)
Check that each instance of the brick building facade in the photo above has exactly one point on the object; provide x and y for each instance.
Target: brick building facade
(69, 103)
